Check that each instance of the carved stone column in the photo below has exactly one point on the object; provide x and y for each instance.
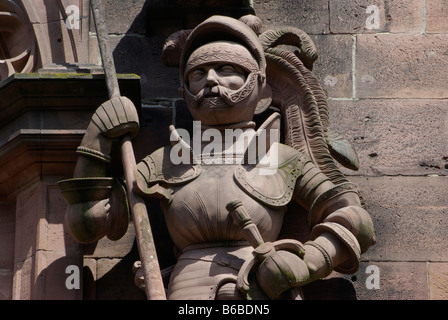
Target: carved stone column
(43, 251)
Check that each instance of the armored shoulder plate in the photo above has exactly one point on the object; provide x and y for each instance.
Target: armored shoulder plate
(272, 180)
(158, 168)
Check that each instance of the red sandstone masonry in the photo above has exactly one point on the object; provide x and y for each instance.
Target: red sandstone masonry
(310, 16)
(436, 16)
(335, 64)
(7, 226)
(438, 281)
(395, 115)
(394, 136)
(397, 281)
(409, 215)
(395, 16)
(402, 66)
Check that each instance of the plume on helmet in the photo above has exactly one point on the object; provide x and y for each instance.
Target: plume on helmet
(297, 93)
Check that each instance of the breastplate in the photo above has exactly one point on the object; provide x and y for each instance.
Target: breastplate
(197, 212)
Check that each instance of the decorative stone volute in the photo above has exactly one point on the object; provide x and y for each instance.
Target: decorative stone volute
(45, 36)
(17, 40)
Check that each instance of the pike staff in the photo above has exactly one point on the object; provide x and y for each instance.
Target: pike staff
(154, 287)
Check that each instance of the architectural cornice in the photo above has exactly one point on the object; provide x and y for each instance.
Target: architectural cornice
(43, 118)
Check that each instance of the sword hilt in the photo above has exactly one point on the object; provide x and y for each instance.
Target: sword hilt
(243, 220)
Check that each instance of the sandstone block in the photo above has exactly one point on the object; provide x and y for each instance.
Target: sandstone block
(367, 16)
(142, 56)
(401, 66)
(115, 280)
(393, 136)
(333, 67)
(310, 16)
(126, 16)
(436, 13)
(396, 281)
(409, 215)
(157, 116)
(438, 280)
(106, 248)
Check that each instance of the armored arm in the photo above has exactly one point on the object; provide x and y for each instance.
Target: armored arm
(341, 229)
(97, 204)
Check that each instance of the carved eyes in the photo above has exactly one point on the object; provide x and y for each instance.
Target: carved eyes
(224, 70)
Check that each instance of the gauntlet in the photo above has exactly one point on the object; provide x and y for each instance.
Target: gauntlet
(278, 265)
(97, 207)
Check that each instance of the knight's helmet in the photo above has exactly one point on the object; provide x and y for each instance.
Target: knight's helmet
(202, 43)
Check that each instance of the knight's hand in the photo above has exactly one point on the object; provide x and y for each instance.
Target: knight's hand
(117, 117)
(281, 271)
(87, 222)
(97, 207)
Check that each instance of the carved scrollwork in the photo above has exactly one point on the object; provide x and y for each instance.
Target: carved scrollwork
(17, 40)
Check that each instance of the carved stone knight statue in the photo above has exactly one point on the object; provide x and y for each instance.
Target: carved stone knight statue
(224, 200)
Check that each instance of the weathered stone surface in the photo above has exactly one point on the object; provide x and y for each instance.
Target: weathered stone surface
(142, 56)
(56, 42)
(374, 281)
(436, 13)
(126, 16)
(409, 215)
(43, 250)
(7, 235)
(334, 65)
(154, 127)
(394, 136)
(438, 281)
(115, 280)
(106, 248)
(366, 16)
(401, 66)
(88, 279)
(397, 281)
(39, 133)
(310, 16)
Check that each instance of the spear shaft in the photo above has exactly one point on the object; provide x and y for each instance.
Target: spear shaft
(154, 287)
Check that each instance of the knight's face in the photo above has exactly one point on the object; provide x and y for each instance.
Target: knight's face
(209, 77)
(221, 78)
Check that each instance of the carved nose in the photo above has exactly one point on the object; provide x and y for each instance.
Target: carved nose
(212, 77)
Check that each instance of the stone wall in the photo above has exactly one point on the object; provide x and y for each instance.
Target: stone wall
(384, 66)
(383, 63)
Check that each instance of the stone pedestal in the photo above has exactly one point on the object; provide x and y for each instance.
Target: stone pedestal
(42, 121)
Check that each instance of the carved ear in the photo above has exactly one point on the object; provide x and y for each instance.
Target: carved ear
(172, 49)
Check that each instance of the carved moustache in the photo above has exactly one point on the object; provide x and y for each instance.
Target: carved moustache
(215, 96)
